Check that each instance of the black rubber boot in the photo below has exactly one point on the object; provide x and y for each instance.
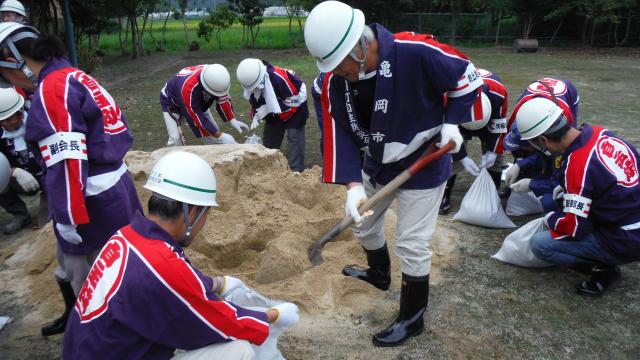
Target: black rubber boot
(584, 266)
(378, 274)
(445, 205)
(602, 277)
(57, 326)
(414, 297)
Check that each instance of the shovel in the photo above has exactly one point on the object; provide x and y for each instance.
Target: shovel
(315, 250)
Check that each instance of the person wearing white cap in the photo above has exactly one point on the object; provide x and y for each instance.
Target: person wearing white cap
(143, 297)
(12, 11)
(25, 170)
(390, 96)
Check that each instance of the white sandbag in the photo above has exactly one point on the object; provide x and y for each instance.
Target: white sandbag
(4, 320)
(251, 299)
(481, 205)
(520, 204)
(516, 247)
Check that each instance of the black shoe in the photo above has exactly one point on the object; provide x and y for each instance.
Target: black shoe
(584, 266)
(58, 325)
(414, 297)
(602, 277)
(16, 224)
(445, 204)
(378, 274)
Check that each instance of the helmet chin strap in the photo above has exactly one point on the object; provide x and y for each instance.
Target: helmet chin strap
(21, 63)
(354, 55)
(188, 227)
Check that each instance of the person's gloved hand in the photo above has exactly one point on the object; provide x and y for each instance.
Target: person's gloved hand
(488, 159)
(239, 125)
(288, 315)
(512, 174)
(262, 111)
(470, 166)
(26, 180)
(293, 101)
(355, 197)
(225, 138)
(229, 284)
(521, 186)
(558, 192)
(450, 132)
(69, 233)
(255, 122)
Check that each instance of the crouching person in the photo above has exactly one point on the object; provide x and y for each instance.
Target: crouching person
(598, 226)
(144, 299)
(25, 171)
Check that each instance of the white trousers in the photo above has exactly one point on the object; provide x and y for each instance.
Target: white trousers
(74, 268)
(174, 132)
(417, 219)
(233, 350)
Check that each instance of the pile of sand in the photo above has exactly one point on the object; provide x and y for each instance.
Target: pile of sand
(267, 218)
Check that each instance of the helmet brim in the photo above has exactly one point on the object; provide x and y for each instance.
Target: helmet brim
(349, 41)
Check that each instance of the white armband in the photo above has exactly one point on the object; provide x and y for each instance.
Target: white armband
(468, 82)
(498, 126)
(576, 204)
(62, 146)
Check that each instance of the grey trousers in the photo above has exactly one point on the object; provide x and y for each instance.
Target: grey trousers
(272, 139)
(74, 268)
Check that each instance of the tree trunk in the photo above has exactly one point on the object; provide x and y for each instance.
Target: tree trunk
(498, 28)
(584, 30)
(164, 29)
(134, 40)
(299, 23)
(593, 31)
(609, 34)
(55, 16)
(184, 24)
(627, 31)
(556, 31)
(219, 38)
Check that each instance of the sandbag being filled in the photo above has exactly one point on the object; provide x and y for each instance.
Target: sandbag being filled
(520, 204)
(516, 247)
(481, 205)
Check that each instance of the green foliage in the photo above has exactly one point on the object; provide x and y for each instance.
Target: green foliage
(218, 20)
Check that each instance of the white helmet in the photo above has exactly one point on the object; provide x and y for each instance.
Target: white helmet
(479, 120)
(184, 177)
(11, 32)
(215, 79)
(331, 31)
(13, 5)
(5, 172)
(250, 73)
(10, 102)
(536, 116)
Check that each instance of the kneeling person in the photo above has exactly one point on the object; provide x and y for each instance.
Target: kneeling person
(143, 298)
(598, 227)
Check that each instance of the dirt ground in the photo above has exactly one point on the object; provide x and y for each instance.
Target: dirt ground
(479, 307)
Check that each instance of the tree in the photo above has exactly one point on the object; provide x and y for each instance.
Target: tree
(182, 4)
(250, 18)
(218, 20)
(530, 12)
(293, 8)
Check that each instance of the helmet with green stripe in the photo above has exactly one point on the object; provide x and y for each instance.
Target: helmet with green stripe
(539, 116)
(185, 177)
(215, 79)
(331, 31)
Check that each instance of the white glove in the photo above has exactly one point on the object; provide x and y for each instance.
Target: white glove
(521, 186)
(293, 101)
(450, 132)
(225, 138)
(470, 166)
(255, 122)
(355, 197)
(26, 180)
(230, 284)
(262, 112)
(69, 233)
(558, 192)
(287, 315)
(512, 174)
(488, 159)
(239, 125)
